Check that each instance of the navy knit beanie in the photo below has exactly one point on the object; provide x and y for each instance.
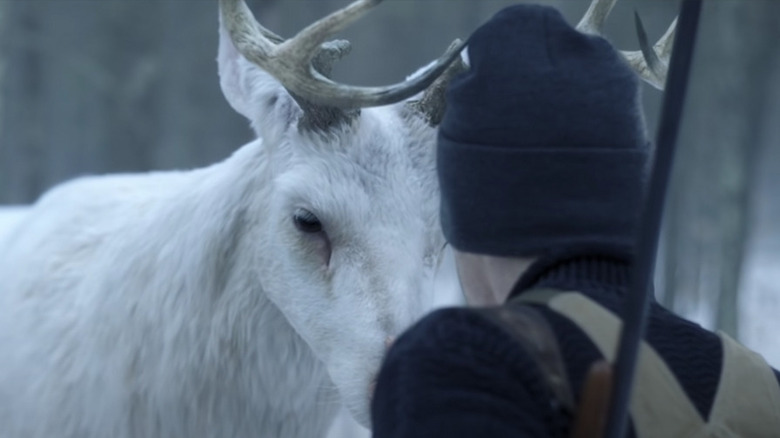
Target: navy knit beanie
(543, 144)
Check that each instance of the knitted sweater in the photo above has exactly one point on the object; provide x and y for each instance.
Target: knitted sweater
(454, 374)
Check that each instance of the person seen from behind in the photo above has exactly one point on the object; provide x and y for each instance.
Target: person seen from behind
(543, 162)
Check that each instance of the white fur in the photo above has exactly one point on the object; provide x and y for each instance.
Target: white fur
(10, 216)
(187, 304)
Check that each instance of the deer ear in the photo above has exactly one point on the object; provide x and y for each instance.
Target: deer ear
(252, 92)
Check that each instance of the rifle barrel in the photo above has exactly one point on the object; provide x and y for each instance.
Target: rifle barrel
(635, 307)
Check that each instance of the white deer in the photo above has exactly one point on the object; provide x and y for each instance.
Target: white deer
(10, 216)
(242, 299)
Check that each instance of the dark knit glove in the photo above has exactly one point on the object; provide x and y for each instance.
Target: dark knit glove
(454, 374)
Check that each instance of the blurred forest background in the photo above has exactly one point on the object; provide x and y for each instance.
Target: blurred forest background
(99, 86)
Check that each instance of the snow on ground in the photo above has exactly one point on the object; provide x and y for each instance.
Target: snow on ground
(760, 303)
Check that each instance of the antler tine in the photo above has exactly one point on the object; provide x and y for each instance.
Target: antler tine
(250, 39)
(652, 64)
(290, 62)
(327, 92)
(274, 38)
(593, 20)
(307, 42)
(433, 101)
(664, 45)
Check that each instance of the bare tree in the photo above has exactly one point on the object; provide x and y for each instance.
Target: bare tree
(709, 207)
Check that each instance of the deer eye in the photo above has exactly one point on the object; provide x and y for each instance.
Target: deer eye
(306, 221)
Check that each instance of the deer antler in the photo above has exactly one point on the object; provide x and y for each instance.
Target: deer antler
(433, 101)
(290, 61)
(651, 63)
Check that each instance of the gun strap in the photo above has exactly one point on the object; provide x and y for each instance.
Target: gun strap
(747, 403)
